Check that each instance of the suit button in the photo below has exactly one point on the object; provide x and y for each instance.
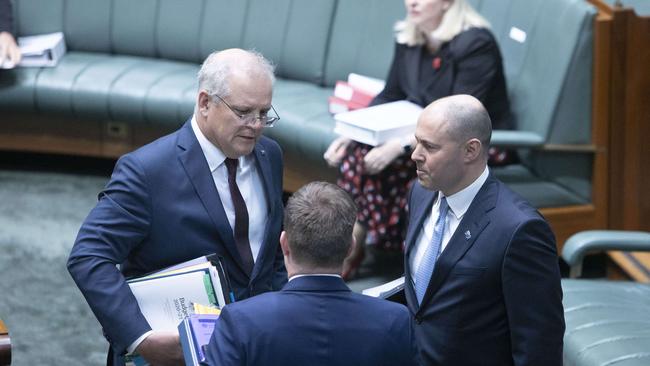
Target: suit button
(418, 320)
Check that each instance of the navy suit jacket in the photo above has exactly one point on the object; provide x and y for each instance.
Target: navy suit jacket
(161, 207)
(494, 297)
(314, 320)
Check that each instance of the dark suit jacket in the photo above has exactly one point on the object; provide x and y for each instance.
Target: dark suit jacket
(313, 321)
(161, 207)
(495, 296)
(469, 64)
(6, 16)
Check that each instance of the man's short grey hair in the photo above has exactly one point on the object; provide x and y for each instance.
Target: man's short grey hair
(318, 220)
(215, 71)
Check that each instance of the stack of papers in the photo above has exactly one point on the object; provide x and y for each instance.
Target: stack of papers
(167, 297)
(195, 333)
(42, 50)
(393, 291)
(378, 124)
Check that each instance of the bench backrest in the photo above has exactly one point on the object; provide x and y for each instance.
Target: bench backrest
(293, 34)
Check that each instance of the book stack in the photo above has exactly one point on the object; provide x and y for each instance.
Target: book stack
(43, 50)
(377, 124)
(169, 296)
(195, 332)
(355, 93)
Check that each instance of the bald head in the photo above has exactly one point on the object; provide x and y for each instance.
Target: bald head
(452, 137)
(465, 118)
(219, 68)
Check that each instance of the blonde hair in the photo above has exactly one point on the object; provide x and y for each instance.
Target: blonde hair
(458, 18)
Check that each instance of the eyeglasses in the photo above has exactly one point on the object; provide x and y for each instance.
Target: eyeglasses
(250, 118)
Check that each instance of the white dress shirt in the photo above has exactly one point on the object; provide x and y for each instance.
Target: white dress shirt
(250, 184)
(249, 181)
(458, 204)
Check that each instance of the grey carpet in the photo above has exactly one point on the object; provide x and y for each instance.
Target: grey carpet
(48, 319)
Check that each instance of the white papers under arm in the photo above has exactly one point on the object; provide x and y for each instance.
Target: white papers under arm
(166, 301)
(385, 290)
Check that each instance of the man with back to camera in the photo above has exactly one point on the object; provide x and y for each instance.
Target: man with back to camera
(482, 274)
(315, 320)
(213, 186)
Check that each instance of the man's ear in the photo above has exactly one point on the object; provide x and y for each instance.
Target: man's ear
(353, 244)
(473, 149)
(203, 99)
(284, 244)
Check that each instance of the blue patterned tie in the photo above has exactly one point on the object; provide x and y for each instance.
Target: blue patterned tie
(423, 275)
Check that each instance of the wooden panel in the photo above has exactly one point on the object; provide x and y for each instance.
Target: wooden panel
(29, 132)
(635, 264)
(568, 220)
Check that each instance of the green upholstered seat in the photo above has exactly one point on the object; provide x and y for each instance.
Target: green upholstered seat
(607, 322)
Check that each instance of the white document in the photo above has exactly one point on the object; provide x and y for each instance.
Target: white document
(385, 290)
(40, 50)
(378, 124)
(166, 301)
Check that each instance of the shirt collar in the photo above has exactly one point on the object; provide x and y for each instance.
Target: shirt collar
(315, 274)
(213, 154)
(459, 202)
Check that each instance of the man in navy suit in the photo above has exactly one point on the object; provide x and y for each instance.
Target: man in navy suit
(213, 186)
(482, 276)
(315, 320)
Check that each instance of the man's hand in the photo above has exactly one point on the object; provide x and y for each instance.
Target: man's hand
(162, 349)
(335, 153)
(381, 156)
(9, 49)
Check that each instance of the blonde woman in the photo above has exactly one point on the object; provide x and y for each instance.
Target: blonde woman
(443, 47)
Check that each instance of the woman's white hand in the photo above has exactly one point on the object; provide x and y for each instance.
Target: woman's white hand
(381, 156)
(335, 153)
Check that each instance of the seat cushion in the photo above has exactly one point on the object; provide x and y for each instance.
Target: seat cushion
(607, 323)
(538, 191)
(106, 88)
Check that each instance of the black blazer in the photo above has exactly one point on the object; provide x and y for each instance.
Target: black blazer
(469, 64)
(494, 297)
(6, 16)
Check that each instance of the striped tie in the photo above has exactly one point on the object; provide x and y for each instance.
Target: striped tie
(423, 275)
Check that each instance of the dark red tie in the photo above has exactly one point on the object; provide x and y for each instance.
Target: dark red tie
(241, 217)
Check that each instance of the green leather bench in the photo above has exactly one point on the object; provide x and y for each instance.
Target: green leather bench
(132, 64)
(607, 322)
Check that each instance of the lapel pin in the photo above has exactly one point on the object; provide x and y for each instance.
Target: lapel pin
(468, 235)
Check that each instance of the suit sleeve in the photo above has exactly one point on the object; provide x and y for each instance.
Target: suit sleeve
(533, 296)
(116, 225)
(478, 62)
(6, 16)
(393, 90)
(225, 347)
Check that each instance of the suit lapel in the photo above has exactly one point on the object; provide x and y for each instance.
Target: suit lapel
(193, 160)
(264, 167)
(469, 229)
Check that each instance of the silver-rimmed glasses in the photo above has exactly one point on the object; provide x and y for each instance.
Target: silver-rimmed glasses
(251, 118)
